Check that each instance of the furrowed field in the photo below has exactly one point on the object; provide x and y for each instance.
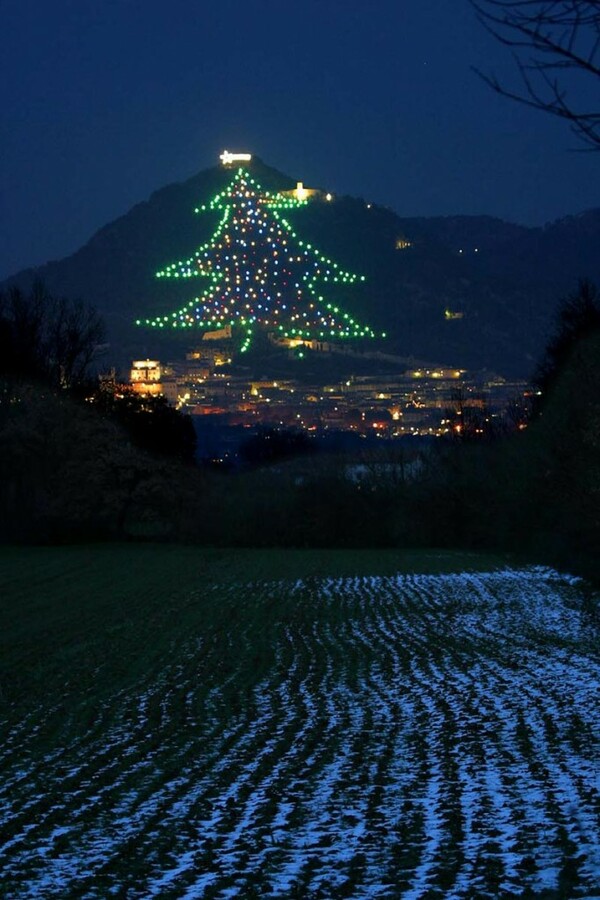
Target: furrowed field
(203, 724)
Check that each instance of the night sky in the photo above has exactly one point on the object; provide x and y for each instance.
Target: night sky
(105, 101)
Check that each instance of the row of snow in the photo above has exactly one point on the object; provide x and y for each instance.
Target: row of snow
(417, 736)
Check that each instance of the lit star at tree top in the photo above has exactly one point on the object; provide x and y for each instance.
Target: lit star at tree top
(258, 273)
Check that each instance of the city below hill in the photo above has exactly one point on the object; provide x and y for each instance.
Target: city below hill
(472, 292)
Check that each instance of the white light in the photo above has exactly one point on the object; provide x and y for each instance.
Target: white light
(227, 158)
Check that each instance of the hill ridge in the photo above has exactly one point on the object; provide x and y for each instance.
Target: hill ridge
(504, 278)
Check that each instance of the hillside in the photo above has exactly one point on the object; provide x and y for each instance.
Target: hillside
(504, 279)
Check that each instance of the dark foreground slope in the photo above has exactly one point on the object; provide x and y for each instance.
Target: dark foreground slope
(179, 724)
(503, 279)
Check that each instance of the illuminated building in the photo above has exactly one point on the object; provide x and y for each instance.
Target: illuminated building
(145, 377)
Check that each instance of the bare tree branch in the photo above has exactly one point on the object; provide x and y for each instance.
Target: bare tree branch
(553, 43)
(47, 338)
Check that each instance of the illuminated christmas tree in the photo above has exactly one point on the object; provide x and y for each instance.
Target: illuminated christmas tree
(257, 273)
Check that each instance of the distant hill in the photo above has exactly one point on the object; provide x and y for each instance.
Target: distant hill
(501, 282)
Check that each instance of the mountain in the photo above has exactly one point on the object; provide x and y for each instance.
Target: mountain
(468, 291)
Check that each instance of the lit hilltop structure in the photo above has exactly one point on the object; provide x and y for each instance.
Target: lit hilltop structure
(257, 273)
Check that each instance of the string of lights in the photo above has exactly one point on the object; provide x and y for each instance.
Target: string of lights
(258, 273)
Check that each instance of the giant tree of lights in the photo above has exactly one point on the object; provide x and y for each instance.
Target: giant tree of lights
(258, 273)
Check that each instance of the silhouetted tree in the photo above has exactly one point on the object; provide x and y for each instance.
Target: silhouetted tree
(578, 317)
(468, 416)
(47, 339)
(150, 422)
(71, 474)
(556, 47)
(564, 447)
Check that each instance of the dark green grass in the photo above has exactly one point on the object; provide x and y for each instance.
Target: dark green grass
(84, 622)
(179, 651)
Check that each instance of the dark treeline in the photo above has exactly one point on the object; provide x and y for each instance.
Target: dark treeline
(81, 458)
(45, 339)
(81, 463)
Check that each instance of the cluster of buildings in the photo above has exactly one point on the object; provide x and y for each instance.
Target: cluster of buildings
(419, 401)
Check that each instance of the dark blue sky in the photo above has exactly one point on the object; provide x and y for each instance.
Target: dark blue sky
(104, 101)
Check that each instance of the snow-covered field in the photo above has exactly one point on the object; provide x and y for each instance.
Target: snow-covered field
(413, 736)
